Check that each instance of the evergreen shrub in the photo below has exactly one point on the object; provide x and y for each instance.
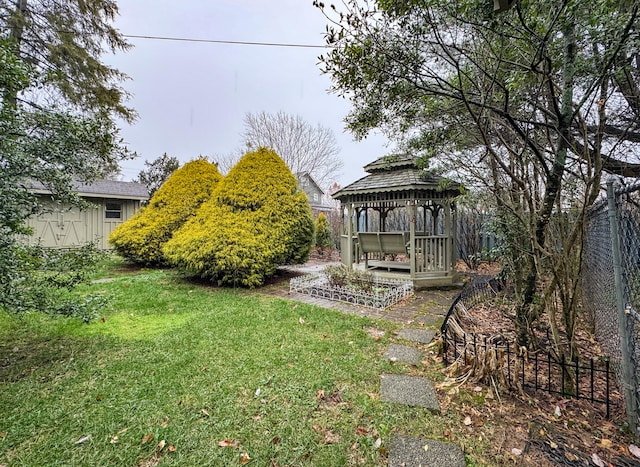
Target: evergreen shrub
(256, 220)
(323, 232)
(140, 239)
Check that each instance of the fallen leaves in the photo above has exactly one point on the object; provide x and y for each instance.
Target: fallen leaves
(329, 437)
(83, 439)
(244, 458)
(147, 438)
(597, 460)
(606, 443)
(227, 443)
(235, 444)
(375, 333)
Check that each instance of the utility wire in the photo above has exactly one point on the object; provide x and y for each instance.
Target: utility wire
(211, 41)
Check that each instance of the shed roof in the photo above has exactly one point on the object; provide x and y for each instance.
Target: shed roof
(394, 174)
(102, 189)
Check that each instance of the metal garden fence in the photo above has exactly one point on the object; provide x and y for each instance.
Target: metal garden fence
(591, 379)
(611, 287)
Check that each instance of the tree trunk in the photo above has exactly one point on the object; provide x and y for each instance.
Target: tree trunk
(527, 312)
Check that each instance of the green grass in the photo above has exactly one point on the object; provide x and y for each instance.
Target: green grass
(184, 362)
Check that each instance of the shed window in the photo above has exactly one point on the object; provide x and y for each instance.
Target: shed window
(113, 211)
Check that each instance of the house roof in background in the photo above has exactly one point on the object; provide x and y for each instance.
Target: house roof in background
(307, 175)
(102, 189)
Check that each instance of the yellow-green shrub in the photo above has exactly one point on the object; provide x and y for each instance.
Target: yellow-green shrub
(140, 239)
(323, 232)
(256, 220)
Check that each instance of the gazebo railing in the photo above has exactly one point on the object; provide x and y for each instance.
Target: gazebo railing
(432, 254)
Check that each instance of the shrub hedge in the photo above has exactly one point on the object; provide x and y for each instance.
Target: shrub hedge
(256, 220)
(140, 239)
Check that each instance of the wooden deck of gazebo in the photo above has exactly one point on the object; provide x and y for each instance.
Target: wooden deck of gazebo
(400, 222)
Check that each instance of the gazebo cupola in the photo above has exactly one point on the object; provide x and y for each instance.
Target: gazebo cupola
(399, 219)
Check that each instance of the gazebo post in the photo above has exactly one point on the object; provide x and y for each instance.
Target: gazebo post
(413, 212)
(448, 234)
(349, 242)
(454, 235)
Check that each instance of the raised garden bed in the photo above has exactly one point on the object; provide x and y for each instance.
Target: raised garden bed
(382, 293)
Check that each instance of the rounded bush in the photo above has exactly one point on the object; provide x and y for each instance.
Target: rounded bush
(256, 220)
(140, 239)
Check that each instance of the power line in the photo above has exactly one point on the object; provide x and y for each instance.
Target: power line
(212, 41)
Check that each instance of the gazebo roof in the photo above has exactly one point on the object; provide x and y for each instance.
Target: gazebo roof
(393, 174)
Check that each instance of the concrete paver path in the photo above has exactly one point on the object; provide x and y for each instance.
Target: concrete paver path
(422, 336)
(409, 390)
(418, 452)
(427, 308)
(404, 354)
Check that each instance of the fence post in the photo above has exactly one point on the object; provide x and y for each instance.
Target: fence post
(625, 323)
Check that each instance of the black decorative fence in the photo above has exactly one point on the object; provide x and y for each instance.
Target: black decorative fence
(588, 379)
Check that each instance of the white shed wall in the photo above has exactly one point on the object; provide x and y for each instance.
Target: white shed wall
(63, 226)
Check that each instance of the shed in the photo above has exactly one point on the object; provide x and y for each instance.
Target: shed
(400, 220)
(65, 226)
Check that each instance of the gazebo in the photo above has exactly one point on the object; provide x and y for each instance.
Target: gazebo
(401, 222)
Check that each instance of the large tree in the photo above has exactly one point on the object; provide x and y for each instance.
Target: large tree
(64, 43)
(302, 146)
(531, 104)
(56, 109)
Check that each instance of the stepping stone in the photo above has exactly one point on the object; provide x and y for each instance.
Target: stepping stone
(423, 336)
(420, 452)
(409, 390)
(403, 353)
(429, 320)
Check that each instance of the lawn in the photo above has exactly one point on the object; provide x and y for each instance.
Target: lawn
(177, 373)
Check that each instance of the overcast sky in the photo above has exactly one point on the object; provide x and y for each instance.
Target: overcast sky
(192, 97)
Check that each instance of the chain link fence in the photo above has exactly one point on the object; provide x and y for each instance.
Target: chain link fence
(611, 287)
